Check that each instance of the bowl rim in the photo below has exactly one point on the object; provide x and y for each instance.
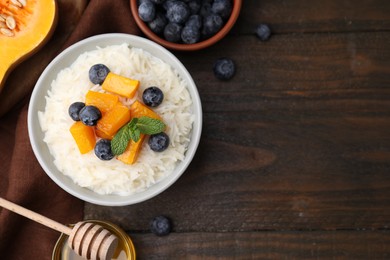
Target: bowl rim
(63, 60)
(187, 47)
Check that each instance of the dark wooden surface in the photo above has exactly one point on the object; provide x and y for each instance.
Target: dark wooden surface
(294, 160)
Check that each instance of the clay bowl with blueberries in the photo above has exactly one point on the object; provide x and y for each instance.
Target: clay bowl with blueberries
(185, 25)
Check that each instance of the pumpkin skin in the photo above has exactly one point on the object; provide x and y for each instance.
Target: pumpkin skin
(35, 23)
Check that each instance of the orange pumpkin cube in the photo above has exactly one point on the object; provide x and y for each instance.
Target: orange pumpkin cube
(138, 109)
(130, 155)
(120, 85)
(112, 121)
(103, 135)
(103, 101)
(84, 136)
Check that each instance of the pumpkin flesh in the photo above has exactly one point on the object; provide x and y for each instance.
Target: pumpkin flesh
(34, 22)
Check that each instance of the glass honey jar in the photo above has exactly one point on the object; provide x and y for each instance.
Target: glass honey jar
(125, 249)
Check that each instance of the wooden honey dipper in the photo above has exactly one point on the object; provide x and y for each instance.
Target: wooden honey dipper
(88, 240)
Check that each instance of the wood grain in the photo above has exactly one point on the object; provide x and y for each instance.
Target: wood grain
(300, 16)
(294, 159)
(300, 143)
(264, 245)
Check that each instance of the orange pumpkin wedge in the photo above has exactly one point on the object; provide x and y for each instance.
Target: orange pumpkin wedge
(84, 136)
(103, 101)
(138, 109)
(25, 26)
(112, 121)
(120, 85)
(130, 155)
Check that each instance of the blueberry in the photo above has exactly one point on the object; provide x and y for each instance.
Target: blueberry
(205, 9)
(194, 20)
(172, 32)
(158, 2)
(89, 115)
(211, 25)
(74, 110)
(194, 6)
(146, 11)
(159, 142)
(152, 96)
(263, 32)
(168, 3)
(178, 12)
(190, 34)
(224, 68)
(161, 226)
(98, 73)
(103, 150)
(222, 8)
(158, 24)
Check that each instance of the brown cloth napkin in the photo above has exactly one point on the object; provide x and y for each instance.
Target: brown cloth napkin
(22, 180)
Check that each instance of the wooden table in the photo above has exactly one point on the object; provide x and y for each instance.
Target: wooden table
(294, 160)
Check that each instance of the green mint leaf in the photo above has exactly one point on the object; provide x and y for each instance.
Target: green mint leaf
(135, 133)
(120, 140)
(133, 130)
(150, 126)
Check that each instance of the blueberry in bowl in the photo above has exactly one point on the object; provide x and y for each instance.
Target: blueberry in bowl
(186, 25)
(70, 131)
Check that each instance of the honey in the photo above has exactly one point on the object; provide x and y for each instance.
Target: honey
(124, 251)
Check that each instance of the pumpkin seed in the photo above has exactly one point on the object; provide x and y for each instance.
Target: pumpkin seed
(16, 3)
(6, 32)
(23, 2)
(2, 17)
(2, 24)
(10, 22)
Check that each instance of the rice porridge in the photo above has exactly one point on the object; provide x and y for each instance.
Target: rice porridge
(114, 176)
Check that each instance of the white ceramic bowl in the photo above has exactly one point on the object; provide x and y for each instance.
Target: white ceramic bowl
(37, 103)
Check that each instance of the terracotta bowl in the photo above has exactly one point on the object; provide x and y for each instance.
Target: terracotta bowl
(182, 46)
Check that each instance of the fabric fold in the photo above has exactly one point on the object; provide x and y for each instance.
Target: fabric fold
(23, 181)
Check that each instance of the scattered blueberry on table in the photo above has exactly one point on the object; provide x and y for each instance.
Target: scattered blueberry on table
(185, 21)
(263, 32)
(103, 150)
(161, 226)
(224, 68)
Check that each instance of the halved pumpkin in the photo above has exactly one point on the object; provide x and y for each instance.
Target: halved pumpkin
(25, 26)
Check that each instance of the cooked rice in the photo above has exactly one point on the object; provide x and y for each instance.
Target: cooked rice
(114, 176)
